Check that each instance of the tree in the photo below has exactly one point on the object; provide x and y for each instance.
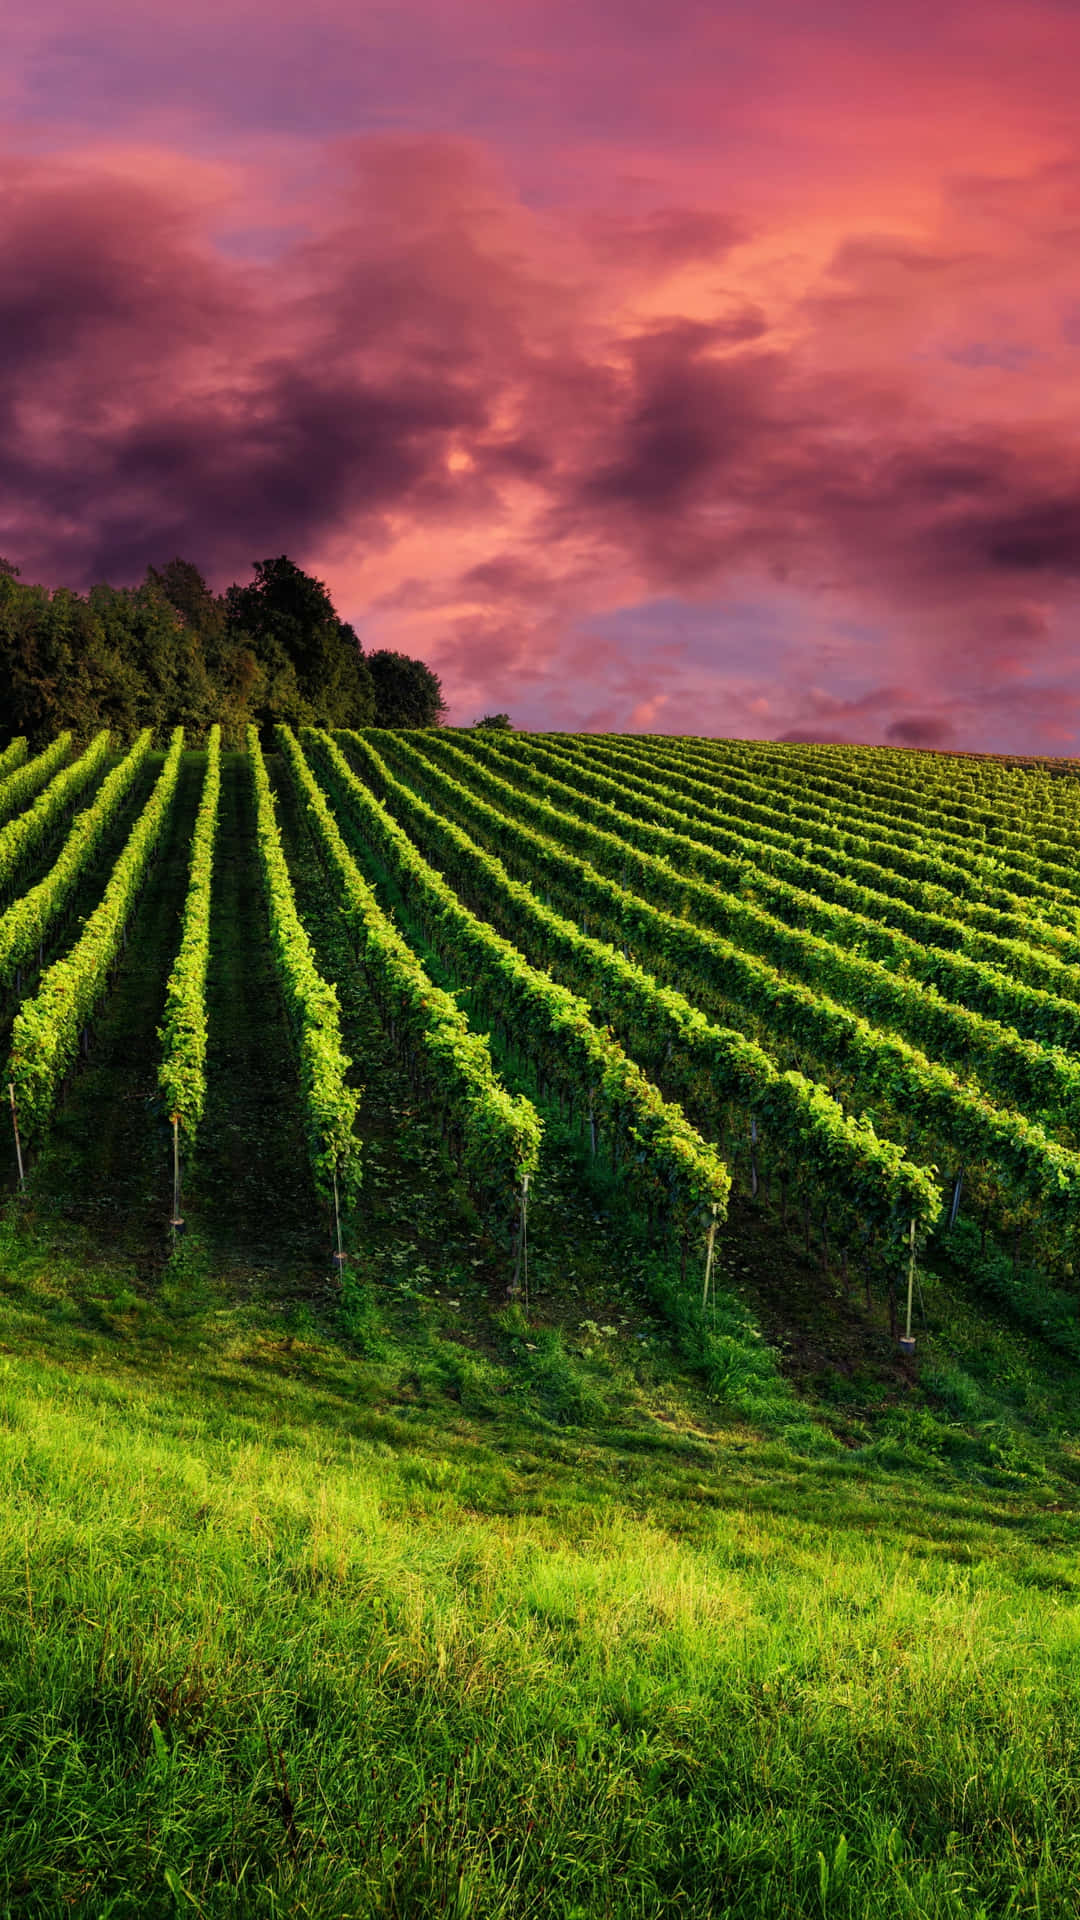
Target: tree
(407, 693)
(312, 664)
(228, 658)
(185, 589)
(171, 652)
(494, 723)
(57, 666)
(160, 653)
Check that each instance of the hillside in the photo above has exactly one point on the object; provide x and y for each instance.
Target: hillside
(491, 1481)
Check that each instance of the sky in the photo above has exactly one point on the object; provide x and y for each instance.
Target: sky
(672, 366)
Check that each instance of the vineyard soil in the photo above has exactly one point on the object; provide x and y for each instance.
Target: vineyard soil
(250, 1192)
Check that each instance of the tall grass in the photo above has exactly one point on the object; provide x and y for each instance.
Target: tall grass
(280, 1640)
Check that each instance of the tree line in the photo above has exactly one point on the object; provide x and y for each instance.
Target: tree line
(169, 653)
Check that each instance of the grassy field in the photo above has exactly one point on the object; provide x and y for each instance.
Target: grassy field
(394, 1600)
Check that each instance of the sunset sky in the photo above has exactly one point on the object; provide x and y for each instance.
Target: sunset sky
(655, 365)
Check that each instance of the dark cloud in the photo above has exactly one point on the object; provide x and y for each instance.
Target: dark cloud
(685, 423)
(514, 457)
(1042, 536)
(156, 397)
(663, 237)
(712, 462)
(815, 737)
(920, 730)
(1013, 356)
(873, 255)
(506, 576)
(951, 472)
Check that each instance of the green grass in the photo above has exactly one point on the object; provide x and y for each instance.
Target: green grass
(511, 1625)
(401, 1600)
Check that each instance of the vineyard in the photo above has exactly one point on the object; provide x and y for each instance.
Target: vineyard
(839, 986)
(539, 1312)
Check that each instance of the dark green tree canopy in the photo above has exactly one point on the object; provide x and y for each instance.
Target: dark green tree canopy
(171, 652)
(494, 723)
(314, 668)
(407, 693)
(185, 589)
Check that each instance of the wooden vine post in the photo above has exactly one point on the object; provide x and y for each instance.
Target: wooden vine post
(18, 1142)
(339, 1256)
(176, 1223)
(520, 1281)
(907, 1343)
(710, 1246)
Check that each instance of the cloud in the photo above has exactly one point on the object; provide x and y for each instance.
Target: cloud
(1038, 536)
(681, 432)
(920, 730)
(663, 238)
(155, 396)
(881, 259)
(817, 737)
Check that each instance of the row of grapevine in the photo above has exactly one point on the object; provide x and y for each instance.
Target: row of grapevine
(45, 1036)
(27, 921)
(853, 774)
(1033, 811)
(329, 1103)
(944, 872)
(665, 1160)
(29, 832)
(1011, 856)
(826, 1158)
(12, 756)
(182, 1069)
(1030, 992)
(1017, 1069)
(495, 1135)
(32, 775)
(1009, 1163)
(847, 881)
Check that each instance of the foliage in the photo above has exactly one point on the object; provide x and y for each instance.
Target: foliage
(692, 1011)
(169, 652)
(942, 899)
(311, 662)
(12, 756)
(662, 1157)
(494, 723)
(921, 831)
(26, 922)
(407, 693)
(182, 1070)
(29, 832)
(721, 1077)
(935, 944)
(29, 776)
(329, 1103)
(1022, 1175)
(46, 1030)
(1015, 1046)
(497, 1136)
